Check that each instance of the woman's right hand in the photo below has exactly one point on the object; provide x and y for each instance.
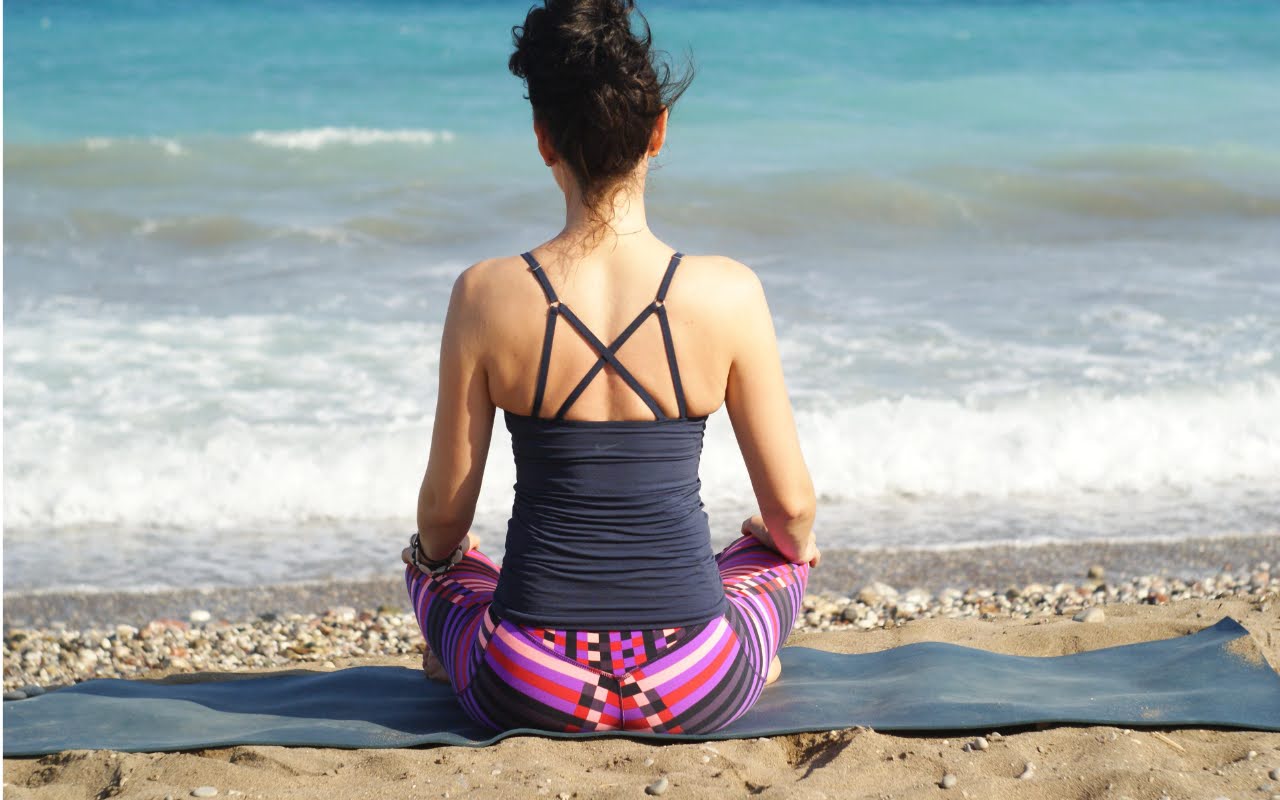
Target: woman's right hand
(755, 527)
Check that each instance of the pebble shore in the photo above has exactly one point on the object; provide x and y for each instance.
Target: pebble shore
(842, 571)
(36, 659)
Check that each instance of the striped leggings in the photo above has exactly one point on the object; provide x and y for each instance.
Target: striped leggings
(694, 679)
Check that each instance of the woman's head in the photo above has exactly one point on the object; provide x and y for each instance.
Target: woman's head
(596, 88)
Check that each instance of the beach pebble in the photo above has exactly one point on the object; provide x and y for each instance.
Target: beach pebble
(658, 787)
(875, 593)
(15, 695)
(979, 744)
(60, 654)
(1091, 614)
(996, 736)
(1096, 572)
(200, 616)
(32, 690)
(648, 762)
(906, 610)
(947, 781)
(1274, 774)
(1028, 772)
(204, 791)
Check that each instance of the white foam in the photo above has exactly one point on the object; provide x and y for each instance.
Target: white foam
(154, 441)
(1062, 443)
(208, 421)
(316, 138)
(243, 421)
(169, 146)
(1057, 448)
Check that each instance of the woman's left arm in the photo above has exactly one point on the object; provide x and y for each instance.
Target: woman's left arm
(463, 426)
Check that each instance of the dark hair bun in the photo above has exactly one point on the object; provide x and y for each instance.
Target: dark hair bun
(596, 85)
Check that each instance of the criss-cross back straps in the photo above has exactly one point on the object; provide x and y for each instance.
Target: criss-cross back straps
(655, 307)
(667, 341)
(553, 309)
(606, 354)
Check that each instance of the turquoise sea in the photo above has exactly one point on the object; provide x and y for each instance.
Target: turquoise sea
(1024, 259)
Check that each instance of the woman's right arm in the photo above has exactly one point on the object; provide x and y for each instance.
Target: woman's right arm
(760, 411)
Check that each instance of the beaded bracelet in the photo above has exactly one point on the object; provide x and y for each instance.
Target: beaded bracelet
(429, 566)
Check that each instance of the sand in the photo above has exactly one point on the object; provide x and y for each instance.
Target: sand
(1092, 762)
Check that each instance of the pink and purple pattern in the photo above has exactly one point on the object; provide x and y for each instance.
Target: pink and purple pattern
(693, 679)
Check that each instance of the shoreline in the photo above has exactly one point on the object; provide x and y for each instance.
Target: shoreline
(843, 572)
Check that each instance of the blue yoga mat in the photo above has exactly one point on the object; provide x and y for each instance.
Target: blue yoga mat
(1198, 680)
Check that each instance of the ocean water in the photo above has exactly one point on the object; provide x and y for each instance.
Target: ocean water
(1024, 260)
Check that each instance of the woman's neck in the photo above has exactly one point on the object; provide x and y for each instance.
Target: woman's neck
(623, 218)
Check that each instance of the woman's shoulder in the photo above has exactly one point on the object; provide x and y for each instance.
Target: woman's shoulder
(491, 275)
(712, 284)
(483, 296)
(718, 283)
(716, 266)
(487, 288)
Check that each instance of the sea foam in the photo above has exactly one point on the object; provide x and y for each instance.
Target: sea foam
(277, 420)
(317, 138)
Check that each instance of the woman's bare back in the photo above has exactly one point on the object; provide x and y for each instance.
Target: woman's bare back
(607, 293)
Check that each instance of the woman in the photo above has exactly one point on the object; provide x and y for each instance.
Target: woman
(610, 611)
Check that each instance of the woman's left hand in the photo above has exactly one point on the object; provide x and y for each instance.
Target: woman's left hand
(469, 542)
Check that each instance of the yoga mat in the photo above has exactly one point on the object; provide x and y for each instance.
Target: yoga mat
(1199, 680)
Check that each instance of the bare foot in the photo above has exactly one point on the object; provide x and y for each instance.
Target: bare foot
(775, 669)
(432, 668)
